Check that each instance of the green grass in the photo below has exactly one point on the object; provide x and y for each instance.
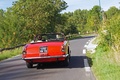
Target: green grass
(104, 65)
(10, 53)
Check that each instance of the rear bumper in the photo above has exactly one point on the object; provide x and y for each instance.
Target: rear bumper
(46, 58)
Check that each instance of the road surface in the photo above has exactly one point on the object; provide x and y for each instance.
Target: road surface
(15, 68)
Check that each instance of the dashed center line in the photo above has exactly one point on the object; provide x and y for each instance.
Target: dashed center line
(84, 51)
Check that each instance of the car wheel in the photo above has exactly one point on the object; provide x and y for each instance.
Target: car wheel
(29, 65)
(66, 62)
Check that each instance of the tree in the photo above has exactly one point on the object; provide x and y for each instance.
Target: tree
(94, 18)
(29, 17)
(10, 30)
(69, 26)
(40, 16)
(1, 27)
(112, 11)
(81, 20)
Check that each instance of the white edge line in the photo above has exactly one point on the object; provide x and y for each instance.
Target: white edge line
(87, 67)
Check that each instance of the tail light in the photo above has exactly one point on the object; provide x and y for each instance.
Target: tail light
(24, 49)
(24, 52)
(63, 48)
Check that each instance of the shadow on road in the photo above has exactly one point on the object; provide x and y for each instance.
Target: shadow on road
(75, 62)
(78, 61)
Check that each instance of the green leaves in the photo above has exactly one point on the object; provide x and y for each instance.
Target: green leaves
(27, 18)
(83, 21)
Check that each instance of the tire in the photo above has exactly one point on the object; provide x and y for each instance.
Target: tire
(67, 61)
(29, 65)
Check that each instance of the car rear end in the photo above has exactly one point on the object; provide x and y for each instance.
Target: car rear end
(45, 52)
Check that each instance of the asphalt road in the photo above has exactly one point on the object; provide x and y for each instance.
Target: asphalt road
(15, 68)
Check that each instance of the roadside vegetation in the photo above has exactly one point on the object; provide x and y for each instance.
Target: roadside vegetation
(106, 59)
(26, 18)
(10, 53)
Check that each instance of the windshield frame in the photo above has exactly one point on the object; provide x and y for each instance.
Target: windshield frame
(50, 37)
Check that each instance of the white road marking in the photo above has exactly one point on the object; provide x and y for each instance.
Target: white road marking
(87, 67)
(85, 46)
(87, 43)
(84, 51)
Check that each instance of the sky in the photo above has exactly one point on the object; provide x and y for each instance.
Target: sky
(74, 4)
(89, 4)
(4, 4)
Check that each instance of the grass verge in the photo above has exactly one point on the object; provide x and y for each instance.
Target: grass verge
(104, 65)
(10, 53)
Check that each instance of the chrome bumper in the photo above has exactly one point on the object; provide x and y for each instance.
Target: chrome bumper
(46, 57)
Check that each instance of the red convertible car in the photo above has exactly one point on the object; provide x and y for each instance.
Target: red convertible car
(50, 47)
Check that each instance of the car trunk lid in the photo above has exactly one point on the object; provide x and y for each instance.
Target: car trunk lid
(53, 49)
